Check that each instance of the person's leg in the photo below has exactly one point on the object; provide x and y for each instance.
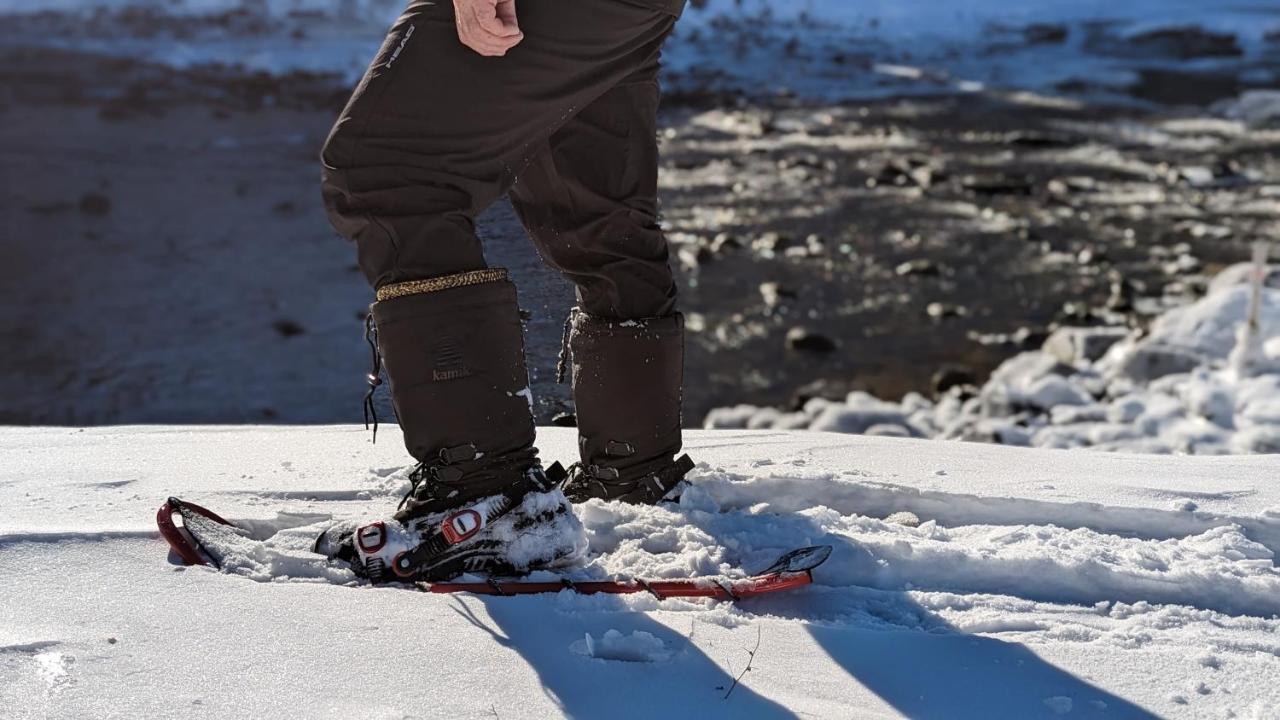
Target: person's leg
(432, 135)
(435, 132)
(589, 202)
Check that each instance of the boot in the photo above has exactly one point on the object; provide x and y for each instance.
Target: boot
(627, 379)
(453, 350)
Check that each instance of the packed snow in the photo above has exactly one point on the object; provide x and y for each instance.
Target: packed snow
(1192, 383)
(967, 581)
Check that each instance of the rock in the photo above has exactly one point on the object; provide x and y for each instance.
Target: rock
(1030, 338)
(941, 311)
(904, 172)
(1019, 378)
(1053, 391)
(1256, 107)
(888, 430)
(95, 204)
(1172, 43)
(1184, 86)
(735, 417)
(1126, 409)
(920, 266)
(820, 388)
(772, 293)
(771, 242)
(764, 419)
(844, 419)
(991, 184)
(1044, 34)
(1197, 175)
(905, 518)
(1184, 43)
(1261, 439)
(949, 376)
(1082, 345)
(1148, 361)
(914, 402)
(1123, 293)
(1211, 402)
(805, 340)
(1075, 414)
(288, 328)
(999, 432)
(1040, 139)
(724, 241)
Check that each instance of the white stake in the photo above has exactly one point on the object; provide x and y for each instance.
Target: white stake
(1247, 355)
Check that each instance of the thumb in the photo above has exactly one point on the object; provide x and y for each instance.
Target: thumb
(506, 12)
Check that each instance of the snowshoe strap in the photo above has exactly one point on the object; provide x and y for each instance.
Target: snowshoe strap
(597, 482)
(655, 486)
(462, 525)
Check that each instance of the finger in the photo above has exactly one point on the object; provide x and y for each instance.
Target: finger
(487, 18)
(506, 12)
(479, 40)
(485, 44)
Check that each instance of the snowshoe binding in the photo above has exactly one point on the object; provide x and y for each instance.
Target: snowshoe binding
(527, 525)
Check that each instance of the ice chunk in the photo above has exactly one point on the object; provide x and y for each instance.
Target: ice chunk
(639, 646)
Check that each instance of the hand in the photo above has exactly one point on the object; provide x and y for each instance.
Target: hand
(487, 26)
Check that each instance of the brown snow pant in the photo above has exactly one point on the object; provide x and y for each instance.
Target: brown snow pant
(565, 122)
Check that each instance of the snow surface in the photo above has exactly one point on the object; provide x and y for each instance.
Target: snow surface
(1040, 583)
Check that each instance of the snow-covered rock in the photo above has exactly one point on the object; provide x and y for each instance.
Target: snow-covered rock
(1082, 345)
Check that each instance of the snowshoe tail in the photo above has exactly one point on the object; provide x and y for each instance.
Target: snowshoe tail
(184, 543)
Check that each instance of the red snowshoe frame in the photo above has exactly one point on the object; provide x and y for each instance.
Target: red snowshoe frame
(178, 538)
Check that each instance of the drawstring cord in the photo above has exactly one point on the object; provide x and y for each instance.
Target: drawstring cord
(374, 377)
(562, 360)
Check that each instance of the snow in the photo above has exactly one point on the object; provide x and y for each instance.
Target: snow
(1193, 383)
(1036, 583)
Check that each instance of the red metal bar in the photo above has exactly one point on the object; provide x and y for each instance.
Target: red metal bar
(694, 587)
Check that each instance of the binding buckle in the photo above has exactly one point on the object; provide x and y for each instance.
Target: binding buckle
(371, 538)
(461, 525)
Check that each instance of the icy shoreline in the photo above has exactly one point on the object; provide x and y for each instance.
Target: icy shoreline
(1171, 389)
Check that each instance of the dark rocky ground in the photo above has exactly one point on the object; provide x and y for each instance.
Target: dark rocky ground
(165, 257)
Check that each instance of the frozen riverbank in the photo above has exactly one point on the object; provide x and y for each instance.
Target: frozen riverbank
(1193, 383)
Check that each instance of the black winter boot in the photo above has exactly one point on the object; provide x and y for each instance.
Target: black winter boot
(627, 382)
(453, 350)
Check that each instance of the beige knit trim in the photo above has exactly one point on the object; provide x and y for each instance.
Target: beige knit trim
(430, 285)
